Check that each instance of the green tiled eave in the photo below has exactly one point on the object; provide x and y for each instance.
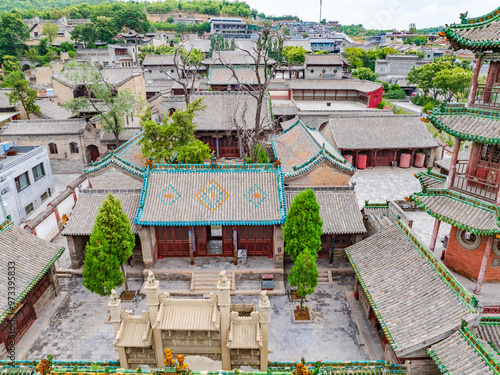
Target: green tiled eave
(477, 346)
(32, 284)
(463, 199)
(429, 174)
(433, 117)
(470, 302)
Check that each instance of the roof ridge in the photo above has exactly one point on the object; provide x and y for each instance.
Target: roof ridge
(479, 348)
(470, 302)
(6, 224)
(476, 21)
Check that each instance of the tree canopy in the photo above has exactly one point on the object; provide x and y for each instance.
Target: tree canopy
(304, 274)
(364, 74)
(294, 55)
(303, 228)
(109, 247)
(21, 92)
(100, 96)
(175, 138)
(13, 34)
(50, 29)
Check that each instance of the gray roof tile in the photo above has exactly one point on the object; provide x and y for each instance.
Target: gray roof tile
(380, 132)
(338, 209)
(44, 127)
(81, 222)
(415, 303)
(184, 195)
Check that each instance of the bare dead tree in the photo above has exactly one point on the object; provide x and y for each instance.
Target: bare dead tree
(244, 135)
(263, 65)
(187, 65)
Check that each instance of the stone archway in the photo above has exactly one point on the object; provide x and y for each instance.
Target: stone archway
(92, 153)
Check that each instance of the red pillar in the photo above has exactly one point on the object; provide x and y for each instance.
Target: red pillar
(484, 263)
(435, 232)
(473, 86)
(491, 78)
(453, 164)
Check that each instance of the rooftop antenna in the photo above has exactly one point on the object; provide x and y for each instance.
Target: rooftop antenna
(320, 5)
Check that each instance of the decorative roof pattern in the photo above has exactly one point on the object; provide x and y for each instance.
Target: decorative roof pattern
(476, 34)
(470, 124)
(338, 209)
(431, 180)
(128, 157)
(463, 354)
(459, 210)
(201, 194)
(81, 223)
(31, 264)
(301, 147)
(421, 284)
(380, 132)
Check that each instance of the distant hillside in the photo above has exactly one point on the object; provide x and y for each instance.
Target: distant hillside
(45, 5)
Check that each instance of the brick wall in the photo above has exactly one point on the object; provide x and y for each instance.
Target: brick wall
(323, 175)
(140, 357)
(468, 262)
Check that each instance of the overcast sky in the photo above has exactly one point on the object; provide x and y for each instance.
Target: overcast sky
(373, 14)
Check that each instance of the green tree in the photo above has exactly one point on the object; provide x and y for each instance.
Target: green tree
(67, 47)
(112, 106)
(11, 63)
(101, 270)
(364, 74)
(304, 274)
(412, 28)
(43, 47)
(453, 82)
(175, 138)
(417, 40)
(303, 227)
(133, 18)
(84, 32)
(105, 29)
(111, 245)
(294, 55)
(13, 34)
(424, 75)
(21, 92)
(50, 29)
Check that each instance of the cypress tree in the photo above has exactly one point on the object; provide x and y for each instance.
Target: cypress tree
(304, 275)
(303, 227)
(110, 246)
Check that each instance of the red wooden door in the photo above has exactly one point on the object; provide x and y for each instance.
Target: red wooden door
(326, 244)
(228, 147)
(201, 241)
(384, 158)
(212, 142)
(257, 240)
(227, 241)
(21, 320)
(173, 241)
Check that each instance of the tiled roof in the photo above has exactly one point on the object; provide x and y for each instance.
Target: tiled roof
(201, 194)
(115, 76)
(335, 84)
(471, 124)
(476, 34)
(300, 148)
(380, 132)
(44, 127)
(81, 222)
(188, 315)
(431, 180)
(420, 301)
(224, 76)
(128, 157)
(159, 60)
(459, 210)
(32, 256)
(244, 333)
(223, 108)
(4, 100)
(53, 111)
(234, 58)
(338, 209)
(126, 135)
(330, 59)
(135, 331)
(463, 354)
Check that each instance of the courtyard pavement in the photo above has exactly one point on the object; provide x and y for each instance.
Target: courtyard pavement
(80, 330)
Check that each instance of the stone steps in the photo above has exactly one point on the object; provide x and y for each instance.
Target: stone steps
(324, 276)
(207, 281)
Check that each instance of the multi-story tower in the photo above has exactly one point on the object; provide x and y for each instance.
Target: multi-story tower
(468, 198)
